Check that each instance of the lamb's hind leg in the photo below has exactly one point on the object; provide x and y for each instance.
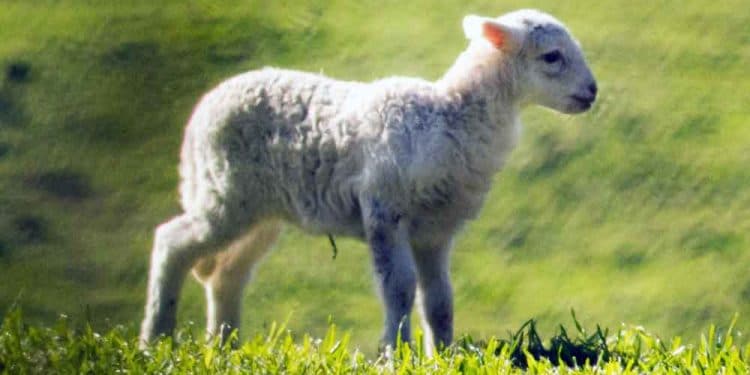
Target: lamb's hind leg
(178, 244)
(225, 274)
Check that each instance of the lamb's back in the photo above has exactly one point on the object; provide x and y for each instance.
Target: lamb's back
(277, 141)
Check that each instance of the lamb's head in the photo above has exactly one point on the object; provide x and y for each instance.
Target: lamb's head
(547, 64)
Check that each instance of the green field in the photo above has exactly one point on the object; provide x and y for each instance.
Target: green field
(635, 213)
(630, 350)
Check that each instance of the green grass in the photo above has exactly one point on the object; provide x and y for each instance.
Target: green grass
(635, 212)
(630, 350)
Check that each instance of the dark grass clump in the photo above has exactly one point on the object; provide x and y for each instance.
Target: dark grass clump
(63, 184)
(581, 350)
(30, 229)
(18, 71)
(11, 113)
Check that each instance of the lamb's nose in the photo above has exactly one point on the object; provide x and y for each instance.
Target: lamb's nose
(593, 89)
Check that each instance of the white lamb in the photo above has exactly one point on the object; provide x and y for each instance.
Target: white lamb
(401, 163)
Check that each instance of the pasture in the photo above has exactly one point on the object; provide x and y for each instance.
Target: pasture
(635, 213)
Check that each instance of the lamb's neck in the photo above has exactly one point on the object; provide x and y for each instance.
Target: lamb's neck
(489, 75)
(489, 101)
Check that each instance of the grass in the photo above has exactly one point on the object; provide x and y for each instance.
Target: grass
(631, 350)
(635, 212)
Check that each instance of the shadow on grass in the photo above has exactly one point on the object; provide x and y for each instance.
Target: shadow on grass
(63, 184)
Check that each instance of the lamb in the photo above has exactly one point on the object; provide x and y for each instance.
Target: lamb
(401, 163)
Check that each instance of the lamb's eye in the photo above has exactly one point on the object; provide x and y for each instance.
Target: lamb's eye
(552, 57)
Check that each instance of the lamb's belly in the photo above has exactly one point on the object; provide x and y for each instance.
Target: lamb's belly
(342, 228)
(316, 218)
(320, 197)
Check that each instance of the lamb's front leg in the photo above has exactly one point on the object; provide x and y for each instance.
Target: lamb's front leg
(395, 270)
(435, 295)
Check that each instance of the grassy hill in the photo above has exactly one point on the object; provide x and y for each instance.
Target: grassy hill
(636, 212)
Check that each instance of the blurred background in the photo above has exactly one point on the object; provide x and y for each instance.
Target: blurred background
(636, 212)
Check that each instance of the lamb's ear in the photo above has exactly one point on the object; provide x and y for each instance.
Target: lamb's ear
(499, 35)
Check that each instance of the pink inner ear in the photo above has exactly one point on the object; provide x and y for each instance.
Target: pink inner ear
(494, 35)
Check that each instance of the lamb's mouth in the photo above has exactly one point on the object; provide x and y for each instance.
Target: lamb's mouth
(583, 103)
